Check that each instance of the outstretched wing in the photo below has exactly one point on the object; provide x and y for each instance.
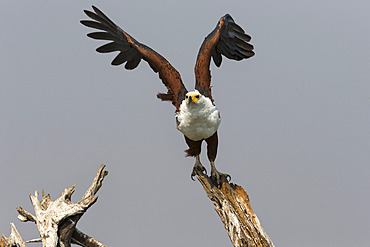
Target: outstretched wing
(131, 52)
(227, 39)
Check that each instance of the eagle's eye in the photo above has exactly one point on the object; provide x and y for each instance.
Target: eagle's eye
(186, 96)
(197, 96)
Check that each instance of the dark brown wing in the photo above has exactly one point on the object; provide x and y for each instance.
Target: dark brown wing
(226, 39)
(131, 52)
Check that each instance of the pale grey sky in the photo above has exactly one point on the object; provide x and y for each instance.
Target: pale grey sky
(294, 133)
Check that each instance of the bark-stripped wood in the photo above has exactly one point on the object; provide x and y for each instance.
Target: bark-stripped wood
(233, 206)
(56, 220)
(13, 240)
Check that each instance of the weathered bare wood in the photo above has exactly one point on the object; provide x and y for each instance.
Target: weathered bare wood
(25, 216)
(14, 239)
(233, 206)
(56, 220)
(82, 239)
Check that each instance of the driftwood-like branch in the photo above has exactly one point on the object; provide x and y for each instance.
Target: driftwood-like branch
(56, 220)
(13, 240)
(233, 206)
(82, 239)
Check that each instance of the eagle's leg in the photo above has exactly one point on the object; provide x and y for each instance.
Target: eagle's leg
(216, 176)
(194, 150)
(198, 168)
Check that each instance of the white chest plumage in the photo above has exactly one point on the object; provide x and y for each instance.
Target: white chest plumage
(199, 120)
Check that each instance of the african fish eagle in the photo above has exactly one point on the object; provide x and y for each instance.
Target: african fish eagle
(196, 115)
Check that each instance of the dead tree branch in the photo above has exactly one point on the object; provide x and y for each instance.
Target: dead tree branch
(233, 206)
(13, 240)
(56, 220)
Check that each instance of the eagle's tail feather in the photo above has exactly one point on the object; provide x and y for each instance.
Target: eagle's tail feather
(191, 152)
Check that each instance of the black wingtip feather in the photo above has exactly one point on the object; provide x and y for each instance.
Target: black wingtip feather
(93, 24)
(119, 59)
(217, 58)
(233, 43)
(90, 14)
(110, 47)
(103, 16)
(228, 17)
(101, 36)
(133, 63)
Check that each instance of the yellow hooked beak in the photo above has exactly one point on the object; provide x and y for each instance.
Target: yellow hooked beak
(192, 98)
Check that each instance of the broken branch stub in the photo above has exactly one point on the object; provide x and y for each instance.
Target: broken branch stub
(233, 206)
(14, 239)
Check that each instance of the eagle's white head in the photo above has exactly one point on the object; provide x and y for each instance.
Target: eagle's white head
(192, 97)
